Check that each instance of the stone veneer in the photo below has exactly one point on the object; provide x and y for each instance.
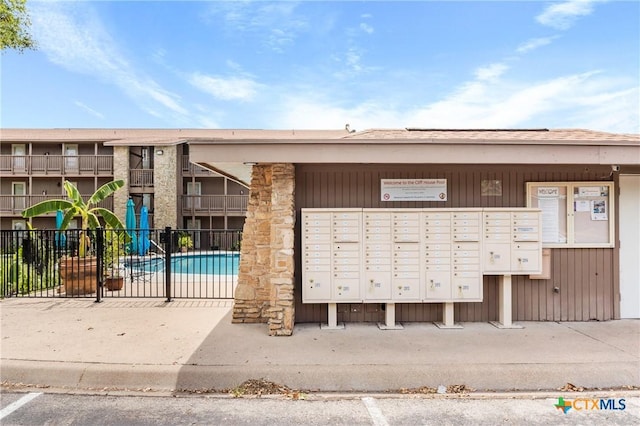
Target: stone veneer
(165, 197)
(121, 171)
(266, 278)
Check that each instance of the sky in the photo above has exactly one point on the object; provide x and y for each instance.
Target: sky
(325, 64)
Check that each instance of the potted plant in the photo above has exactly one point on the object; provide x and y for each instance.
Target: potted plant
(185, 242)
(114, 247)
(79, 273)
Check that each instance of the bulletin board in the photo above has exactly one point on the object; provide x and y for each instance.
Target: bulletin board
(574, 214)
(591, 207)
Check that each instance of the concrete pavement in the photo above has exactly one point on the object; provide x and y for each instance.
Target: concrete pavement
(192, 345)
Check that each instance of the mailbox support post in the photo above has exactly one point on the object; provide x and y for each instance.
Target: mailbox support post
(504, 302)
(332, 318)
(390, 318)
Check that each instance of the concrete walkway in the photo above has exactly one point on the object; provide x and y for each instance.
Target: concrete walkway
(192, 345)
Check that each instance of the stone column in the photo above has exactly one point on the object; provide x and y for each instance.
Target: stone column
(121, 171)
(281, 310)
(252, 292)
(265, 281)
(165, 194)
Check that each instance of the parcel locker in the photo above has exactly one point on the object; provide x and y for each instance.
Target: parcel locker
(316, 286)
(438, 285)
(469, 289)
(497, 257)
(526, 257)
(377, 286)
(346, 289)
(406, 290)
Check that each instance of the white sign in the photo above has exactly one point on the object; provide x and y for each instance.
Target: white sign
(413, 190)
(548, 192)
(589, 191)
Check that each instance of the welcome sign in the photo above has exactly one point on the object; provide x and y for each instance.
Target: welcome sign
(413, 190)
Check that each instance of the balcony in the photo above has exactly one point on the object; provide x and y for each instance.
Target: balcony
(13, 205)
(190, 169)
(228, 205)
(141, 178)
(57, 165)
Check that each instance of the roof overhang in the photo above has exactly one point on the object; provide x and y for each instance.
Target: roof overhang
(235, 157)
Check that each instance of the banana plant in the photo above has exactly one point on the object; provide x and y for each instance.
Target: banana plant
(76, 206)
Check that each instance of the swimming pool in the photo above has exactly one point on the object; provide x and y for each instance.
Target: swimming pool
(208, 263)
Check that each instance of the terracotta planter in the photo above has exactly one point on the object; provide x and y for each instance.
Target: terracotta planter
(79, 274)
(114, 283)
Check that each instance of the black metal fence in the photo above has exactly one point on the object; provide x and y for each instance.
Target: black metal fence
(156, 263)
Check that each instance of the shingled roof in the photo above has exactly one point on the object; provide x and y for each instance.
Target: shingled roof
(495, 135)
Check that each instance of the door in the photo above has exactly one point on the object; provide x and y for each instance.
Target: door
(146, 163)
(71, 157)
(629, 246)
(19, 153)
(194, 190)
(19, 192)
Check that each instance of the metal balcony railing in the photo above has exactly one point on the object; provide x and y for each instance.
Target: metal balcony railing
(206, 204)
(62, 165)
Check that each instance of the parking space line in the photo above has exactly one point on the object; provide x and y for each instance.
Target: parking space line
(19, 403)
(374, 411)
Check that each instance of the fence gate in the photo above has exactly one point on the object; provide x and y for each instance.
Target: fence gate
(105, 263)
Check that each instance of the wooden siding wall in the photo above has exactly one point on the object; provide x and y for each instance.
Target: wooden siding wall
(587, 279)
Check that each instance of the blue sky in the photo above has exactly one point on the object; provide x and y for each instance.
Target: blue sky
(322, 64)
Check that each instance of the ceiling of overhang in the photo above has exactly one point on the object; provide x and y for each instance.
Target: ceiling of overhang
(238, 172)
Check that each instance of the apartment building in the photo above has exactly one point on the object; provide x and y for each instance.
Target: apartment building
(155, 165)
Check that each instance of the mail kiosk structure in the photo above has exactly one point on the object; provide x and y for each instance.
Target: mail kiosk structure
(414, 255)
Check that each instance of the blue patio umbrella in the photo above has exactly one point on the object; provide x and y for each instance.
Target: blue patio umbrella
(130, 223)
(61, 239)
(143, 240)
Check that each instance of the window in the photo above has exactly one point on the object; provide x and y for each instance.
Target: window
(574, 214)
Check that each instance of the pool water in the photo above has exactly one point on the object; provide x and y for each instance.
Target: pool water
(213, 264)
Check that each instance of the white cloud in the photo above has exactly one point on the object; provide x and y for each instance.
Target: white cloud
(366, 28)
(278, 22)
(73, 37)
(491, 72)
(585, 100)
(89, 109)
(562, 16)
(534, 43)
(233, 88)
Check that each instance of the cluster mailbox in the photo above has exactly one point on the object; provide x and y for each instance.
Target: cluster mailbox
(413, 255)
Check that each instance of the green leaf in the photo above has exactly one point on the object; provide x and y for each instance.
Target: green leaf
(68, 216)
(109, 218)
(74, 194)
(47, 206)
(106, 190)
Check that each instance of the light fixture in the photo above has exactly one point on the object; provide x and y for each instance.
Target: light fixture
(159, 152)
(249, 163)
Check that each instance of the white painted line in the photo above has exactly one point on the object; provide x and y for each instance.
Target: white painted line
(17, 404)
(374, 412)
